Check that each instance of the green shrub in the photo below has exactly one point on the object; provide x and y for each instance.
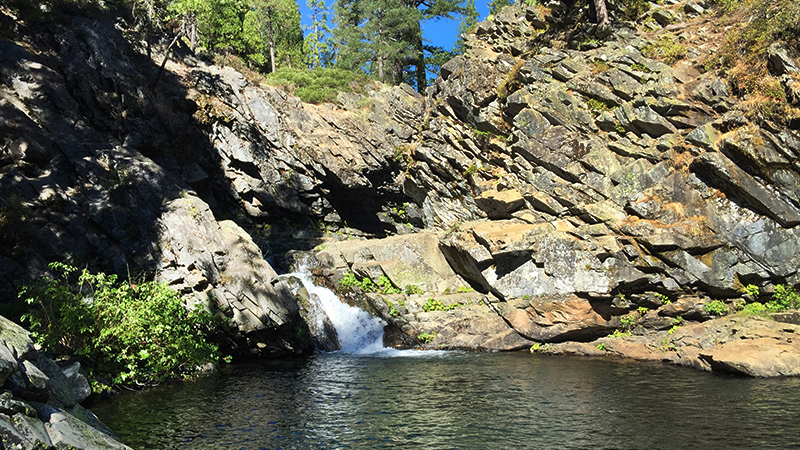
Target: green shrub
(426, 337)
(412, 289)
(755, 309)
(130, 333)
(597, 106)
(785, 297)
(386, 287)
(319, 85)
(716, 307)
(628, 321)
(349, 280)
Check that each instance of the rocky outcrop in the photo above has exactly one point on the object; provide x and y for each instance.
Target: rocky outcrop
(571, 179)
(740, 345)
(40, 401)
(97, 170)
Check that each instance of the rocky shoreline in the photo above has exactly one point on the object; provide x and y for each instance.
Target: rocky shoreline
(40, 402)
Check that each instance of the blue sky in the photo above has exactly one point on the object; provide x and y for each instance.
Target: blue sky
(441, 33)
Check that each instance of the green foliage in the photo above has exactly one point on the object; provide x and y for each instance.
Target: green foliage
(386, 287)
(752, 290)
(538, 347)
(349, 280)
(318, 85)
(754, 309)
(664, 299)
(464, 289)
(602, 347)
(785, 297)
(412, 289)
(628, 321)
(642, 310)
(434, 304)
(597, 106)
(130, 333)
(633, 9)
(469, 18)
(426, 337)
(472, 169)
(666, 345)
(716, 307)
(393, 310)
(619, 334)
(318, 46)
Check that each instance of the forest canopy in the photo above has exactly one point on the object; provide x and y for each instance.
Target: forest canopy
(379, 38)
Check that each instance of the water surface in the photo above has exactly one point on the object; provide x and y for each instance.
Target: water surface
(452, 400)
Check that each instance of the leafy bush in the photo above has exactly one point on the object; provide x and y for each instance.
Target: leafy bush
(426, 337)
(755, 309)
(386, 286)
(716, 307)
(785, 297)
(129, 333)
(628, 321)
(349, 280)
(319, 85)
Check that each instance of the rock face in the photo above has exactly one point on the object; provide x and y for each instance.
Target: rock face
(40, 401)
(98, 170)
(566, 177)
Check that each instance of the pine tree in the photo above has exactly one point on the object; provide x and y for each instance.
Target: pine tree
(273, 28)
(495, 6)
(318, 48)
(383, 36)
(468, 20)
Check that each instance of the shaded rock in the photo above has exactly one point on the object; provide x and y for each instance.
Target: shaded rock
(81, 389)
(500, 205)
(736, 181)
(703, 136)
(778, 60)
(66, 430)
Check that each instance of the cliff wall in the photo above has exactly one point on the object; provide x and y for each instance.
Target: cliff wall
(567, 180)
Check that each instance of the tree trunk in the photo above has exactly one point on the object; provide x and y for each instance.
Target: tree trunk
(271, 43)
(397, 71)
(601, 12)
(422, 81)
(192, 30)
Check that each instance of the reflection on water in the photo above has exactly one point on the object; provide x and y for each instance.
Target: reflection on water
(449, 400)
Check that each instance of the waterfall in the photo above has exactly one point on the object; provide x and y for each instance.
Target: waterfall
(357, 331)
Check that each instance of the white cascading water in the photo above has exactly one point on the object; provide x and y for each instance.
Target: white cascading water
(358, 331)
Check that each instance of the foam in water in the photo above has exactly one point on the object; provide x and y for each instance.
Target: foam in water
(359, 332)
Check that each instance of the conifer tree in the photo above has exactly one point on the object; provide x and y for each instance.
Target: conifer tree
(318, 48)
(468, 20)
